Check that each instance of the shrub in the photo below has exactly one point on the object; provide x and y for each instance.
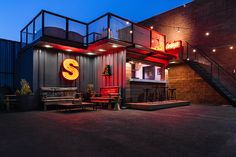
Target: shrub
(25, 88)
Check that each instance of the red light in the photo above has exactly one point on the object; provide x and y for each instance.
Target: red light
(156, 60)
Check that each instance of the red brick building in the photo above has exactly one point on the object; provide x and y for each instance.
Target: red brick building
(209, 26)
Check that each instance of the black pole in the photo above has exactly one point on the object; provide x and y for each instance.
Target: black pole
(67, 29)
(43, 14)
(108, 25)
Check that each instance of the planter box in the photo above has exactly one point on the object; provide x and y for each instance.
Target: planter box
(25, 103)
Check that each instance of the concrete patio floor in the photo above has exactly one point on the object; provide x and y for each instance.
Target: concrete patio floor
(189, 131)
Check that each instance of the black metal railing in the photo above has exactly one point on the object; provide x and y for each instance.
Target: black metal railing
(53, 25)
(214, 69)
(107, 26)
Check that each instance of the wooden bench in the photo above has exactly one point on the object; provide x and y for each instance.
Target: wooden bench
(82, 105)
(107, 95)
(10, 101)
(60, 95)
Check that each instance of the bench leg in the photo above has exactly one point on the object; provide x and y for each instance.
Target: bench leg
(7, 106)
(45, 107)
(95, 107)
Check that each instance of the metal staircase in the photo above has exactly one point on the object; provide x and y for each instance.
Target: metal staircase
(212, 72)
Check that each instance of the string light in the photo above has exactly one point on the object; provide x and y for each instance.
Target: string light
(207, 33)
(231, 47)
(213, 50)
(151, 27)
(194, 50)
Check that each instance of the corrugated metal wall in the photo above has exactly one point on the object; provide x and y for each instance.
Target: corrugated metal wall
(25, 67)
(47, 67)
(8, 56)
(117, 60)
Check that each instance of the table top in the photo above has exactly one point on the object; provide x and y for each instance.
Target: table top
(101, 98)
(10, 95)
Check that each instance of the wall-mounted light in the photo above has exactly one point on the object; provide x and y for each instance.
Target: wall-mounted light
(194, 50)
(231, 47)
(131, 62)
(130, 31)
(213, 50)
(151, 27)
(127, 22)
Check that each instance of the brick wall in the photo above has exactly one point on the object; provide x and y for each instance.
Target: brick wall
(190, 86)
(193, 20)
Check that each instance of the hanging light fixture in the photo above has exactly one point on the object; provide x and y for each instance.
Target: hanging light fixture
(178, 30)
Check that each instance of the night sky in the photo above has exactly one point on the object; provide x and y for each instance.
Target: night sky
(15, 14)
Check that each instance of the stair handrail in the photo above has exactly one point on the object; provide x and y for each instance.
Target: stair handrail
(203, 53)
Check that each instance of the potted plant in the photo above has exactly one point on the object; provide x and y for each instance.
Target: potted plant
(24, 97)
(90, 92)
(117, 103)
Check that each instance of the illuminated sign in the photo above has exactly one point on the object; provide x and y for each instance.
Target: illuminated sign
(174, 45)
(70, 69)
(107, 71)
(158, 41)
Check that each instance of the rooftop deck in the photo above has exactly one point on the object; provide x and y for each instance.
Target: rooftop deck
(108, 31)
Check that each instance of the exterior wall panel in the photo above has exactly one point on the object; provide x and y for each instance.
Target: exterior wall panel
(117, 60)
(8, 57)
(25, 68)
(47, 69)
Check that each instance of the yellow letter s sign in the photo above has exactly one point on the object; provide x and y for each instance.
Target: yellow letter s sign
(70, 71)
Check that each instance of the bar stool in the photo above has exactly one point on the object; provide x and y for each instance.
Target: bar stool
(162, 93)
(146, 91)
(156, 93)
(151, 95)
(171, 93)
